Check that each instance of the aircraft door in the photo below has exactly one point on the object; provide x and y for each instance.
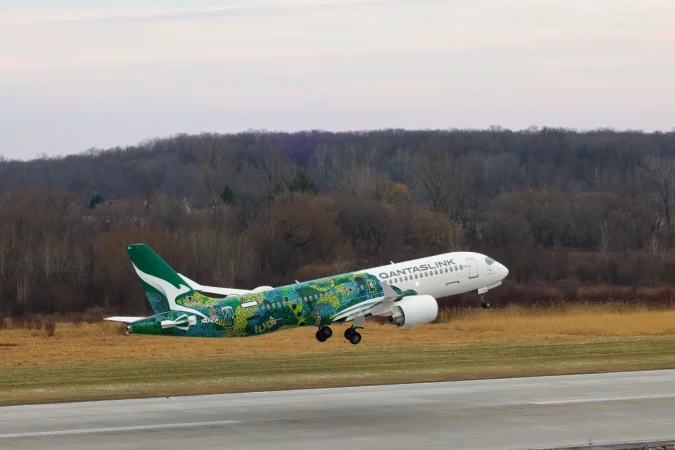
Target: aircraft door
(228, 316)
(473, 267)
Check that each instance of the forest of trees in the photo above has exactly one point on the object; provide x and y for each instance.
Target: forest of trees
(568, 212)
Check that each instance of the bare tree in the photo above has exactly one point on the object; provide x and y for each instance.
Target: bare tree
(365, 182)
(215, 164)
(320, 156)
(402, 158)
(661, 171)
(272, 173)
(444, 177)
(434, 169)
(7, 236)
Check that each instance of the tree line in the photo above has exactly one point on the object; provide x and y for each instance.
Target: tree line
(563, 209)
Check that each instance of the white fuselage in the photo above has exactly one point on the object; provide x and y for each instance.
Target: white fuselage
(443, 275)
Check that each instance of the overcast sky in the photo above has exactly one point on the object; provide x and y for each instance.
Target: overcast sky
(76, 74)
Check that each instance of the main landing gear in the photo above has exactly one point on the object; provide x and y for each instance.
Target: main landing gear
(352, 335)
(323, 333)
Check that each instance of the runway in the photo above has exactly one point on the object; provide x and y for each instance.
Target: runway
(542, 412)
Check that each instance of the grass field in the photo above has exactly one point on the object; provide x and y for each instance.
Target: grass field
(97, 360)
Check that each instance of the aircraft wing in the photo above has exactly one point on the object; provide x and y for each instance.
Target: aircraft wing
(124, 319)
(373, 307)
(212, 289)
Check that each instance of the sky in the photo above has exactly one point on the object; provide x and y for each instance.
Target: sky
(77, 74)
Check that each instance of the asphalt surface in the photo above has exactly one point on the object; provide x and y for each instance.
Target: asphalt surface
(542, 412)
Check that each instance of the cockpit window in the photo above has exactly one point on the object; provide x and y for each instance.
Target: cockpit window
(489, 260)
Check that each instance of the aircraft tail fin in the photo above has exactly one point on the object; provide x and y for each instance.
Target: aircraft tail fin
(161, 284)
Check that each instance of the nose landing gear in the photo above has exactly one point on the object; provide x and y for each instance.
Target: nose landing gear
(484, 303)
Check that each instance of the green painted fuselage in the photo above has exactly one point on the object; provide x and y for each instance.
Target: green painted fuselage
(310, 303)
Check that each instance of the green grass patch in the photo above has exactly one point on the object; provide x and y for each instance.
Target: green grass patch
(184, 375)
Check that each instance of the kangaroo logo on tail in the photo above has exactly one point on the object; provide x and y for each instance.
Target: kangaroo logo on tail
(161, 280)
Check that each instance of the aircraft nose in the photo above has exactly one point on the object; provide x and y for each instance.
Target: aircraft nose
(504, 271)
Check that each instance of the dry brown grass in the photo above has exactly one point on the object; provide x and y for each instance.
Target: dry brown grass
(516, 323)
(105, 342)
(89, 361)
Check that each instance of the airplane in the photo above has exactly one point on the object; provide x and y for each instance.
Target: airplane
(404, 292)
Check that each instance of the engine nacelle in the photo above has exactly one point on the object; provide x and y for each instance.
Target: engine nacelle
(263, 288)
(414, 310)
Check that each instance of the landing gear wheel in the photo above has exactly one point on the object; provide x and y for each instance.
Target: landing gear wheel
(326, 331)
(484, 303)
(320, 336)
(352, 335)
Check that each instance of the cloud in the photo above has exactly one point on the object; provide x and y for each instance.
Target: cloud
(53, 16)
(137, 69)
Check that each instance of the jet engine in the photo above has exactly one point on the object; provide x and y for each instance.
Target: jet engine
(263, 288)
(414, 310)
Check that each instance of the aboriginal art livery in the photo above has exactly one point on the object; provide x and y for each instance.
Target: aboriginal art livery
(404, 292)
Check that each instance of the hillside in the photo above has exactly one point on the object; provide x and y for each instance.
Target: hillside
(574, 215)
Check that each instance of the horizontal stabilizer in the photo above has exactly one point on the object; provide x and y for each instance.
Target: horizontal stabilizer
(124, 319)
(211, 289)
